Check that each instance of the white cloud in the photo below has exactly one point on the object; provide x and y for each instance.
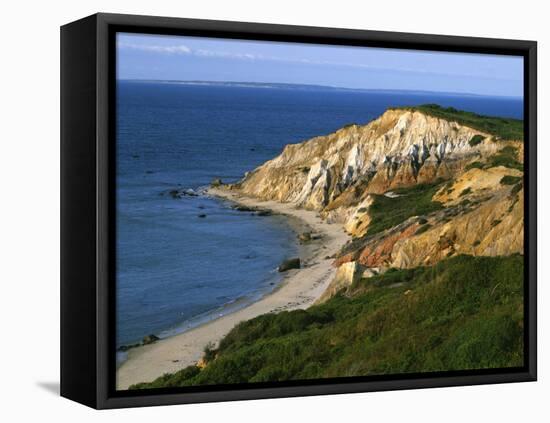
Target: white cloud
(242, 56)
(176, 49)
(184, 50)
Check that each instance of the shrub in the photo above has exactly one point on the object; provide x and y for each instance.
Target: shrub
(510, 180)
(506, 157)
(475, 140)
(209, 353)
(465, 192)
(516, 188)
(474, 165)
(423, 229)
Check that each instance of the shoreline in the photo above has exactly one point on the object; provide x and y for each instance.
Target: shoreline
(299, 289)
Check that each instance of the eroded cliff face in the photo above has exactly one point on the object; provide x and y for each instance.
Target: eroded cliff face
(344, 174)
(482, 216)
(401, 148)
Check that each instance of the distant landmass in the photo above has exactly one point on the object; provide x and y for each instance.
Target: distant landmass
(303, 87)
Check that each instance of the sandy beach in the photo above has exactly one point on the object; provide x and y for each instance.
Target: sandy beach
(299, 289)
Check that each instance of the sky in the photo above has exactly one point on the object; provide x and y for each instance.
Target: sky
(160, 57)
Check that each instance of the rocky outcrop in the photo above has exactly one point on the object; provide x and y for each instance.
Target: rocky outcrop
(346, 275)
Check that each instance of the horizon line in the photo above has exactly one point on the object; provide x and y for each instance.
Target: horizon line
(332, 87)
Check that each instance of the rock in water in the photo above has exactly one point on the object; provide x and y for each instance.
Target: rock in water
(243, 208)
(174, 193)
(293, 263)
(180, 193)
(216, 182)
(149, 339)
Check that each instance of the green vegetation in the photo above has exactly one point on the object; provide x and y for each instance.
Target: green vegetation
(465, 192)
(209, 352)
(423, 229)
(462, 313)
(517, 188)
(510, 180)
(474, 165)
(506, 157)
(387, 212)
(504, 128)
(475, 140)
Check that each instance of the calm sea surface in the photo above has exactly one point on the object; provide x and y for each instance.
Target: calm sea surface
(175, 269)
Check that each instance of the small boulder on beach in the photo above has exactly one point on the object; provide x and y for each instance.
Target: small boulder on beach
(149, 339)
(293, 263)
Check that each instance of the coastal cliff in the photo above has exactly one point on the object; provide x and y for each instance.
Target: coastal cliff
(399, 149)
(412, 187)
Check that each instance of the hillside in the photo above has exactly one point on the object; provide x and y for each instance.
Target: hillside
(463, 313)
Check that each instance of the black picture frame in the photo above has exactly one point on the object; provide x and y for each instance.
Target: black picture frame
(87, 208)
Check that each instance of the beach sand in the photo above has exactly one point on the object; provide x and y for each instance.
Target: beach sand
(299, 289)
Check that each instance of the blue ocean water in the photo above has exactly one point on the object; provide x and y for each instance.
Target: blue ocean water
(175, 269)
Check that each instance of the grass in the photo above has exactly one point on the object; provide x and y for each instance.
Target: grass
(462, 313)
(388, 212)
(506, 157)
(503, 128)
